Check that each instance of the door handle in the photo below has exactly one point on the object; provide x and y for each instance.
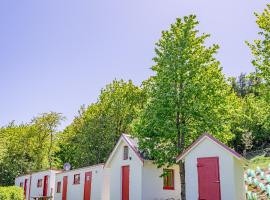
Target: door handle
(216, 181)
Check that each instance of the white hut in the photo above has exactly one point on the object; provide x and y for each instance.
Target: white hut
(37, 184)
(23, 182)
(134, 177)
(213, 171)
(88, 183)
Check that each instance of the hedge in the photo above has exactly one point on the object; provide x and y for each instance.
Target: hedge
(11, 193)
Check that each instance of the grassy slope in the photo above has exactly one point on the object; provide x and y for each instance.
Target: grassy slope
(260, 161)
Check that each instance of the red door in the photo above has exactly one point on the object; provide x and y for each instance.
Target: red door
(64, 193)
(45, 186)
(25, 187)
(87, 186)
(208, 178)
(125, 182)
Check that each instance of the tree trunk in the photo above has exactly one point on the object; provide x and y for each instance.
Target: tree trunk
(180, 146)
(50, 151)
(182, 179)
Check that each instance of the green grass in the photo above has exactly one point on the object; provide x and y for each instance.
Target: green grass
(260, 161)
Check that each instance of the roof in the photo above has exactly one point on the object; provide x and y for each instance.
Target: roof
(208, 136)
(36, 172)
(82, 168)
(132, 143)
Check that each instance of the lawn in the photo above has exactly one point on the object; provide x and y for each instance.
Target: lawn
(260, 161)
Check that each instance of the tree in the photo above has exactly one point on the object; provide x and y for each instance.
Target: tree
(45, 126)
(247, 140)
(94, 132)
(188, 95)
(260, 49)
(28, 147)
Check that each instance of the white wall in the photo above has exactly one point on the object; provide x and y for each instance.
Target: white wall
(135, 178)
(239, 180)
(76, 192)
(152, 183)
(208, 148)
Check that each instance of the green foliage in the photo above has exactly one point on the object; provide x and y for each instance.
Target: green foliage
(261, 47)
(187, 96)
(94, 132)
(28, 147)
(11, 193)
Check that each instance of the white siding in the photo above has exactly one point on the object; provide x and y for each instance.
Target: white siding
(76, 191)
(135, 177)
(152, 183)
(208, 148)
(239, 180)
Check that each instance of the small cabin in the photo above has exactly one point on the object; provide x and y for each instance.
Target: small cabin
(135, 177)
(88, 183)
(213, 171)
(37, 184)
(23, 182)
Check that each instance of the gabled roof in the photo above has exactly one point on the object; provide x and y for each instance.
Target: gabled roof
(131, 142)
(208, 136)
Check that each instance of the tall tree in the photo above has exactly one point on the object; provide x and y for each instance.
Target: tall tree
(260, 49)
(28, 147)
(97, 128)
(188, 95)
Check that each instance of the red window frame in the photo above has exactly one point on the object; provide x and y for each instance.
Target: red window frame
(58, 187)
(39, 183)
(125, 153)
(76, 179)
(168, 179)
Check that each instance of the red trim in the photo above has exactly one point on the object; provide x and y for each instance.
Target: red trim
(179, 157)
(169, 187)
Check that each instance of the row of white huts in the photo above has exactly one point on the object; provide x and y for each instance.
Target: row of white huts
(213, 172)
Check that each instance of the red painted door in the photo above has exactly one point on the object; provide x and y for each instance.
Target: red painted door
(208, 178)
(25, 187)
(87, 186)
(125, 182)
(64, 191)
(45, 186)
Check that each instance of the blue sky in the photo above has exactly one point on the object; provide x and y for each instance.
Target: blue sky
(56, 55)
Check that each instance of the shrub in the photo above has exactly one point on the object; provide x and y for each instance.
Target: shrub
(11, 193)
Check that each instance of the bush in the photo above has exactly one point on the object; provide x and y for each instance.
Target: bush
(11, 193)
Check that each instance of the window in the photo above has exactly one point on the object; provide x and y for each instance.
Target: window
(168, 179)
(58, 188)
(76, 179)
(39, 183)
(125, 156)
(21, 184)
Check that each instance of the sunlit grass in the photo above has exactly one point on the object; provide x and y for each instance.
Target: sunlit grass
(260, 161)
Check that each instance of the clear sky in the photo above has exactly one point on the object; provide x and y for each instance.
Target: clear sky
(56, 55)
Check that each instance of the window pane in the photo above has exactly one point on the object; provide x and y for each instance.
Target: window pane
(125, 152)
